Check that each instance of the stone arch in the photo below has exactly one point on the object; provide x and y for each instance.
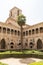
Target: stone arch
(3, 44)
(39, 44)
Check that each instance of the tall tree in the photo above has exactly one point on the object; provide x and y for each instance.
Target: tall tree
(21, 22)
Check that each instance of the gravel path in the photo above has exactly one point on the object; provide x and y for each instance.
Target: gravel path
(12, 61)
(18, 61)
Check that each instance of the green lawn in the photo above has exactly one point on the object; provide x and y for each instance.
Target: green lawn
(37, 63)
(22, 52)
(3, 63)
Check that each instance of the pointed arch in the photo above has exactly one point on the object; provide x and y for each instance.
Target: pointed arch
(39, 44)
(3, 44)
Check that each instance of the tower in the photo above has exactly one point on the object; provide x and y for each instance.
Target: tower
(13, 16)
(14, 13)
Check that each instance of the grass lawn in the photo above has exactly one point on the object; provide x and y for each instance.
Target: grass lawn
(37, 63)
(3, 63)
(22, 54)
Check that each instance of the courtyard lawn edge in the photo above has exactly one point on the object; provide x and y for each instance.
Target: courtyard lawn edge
(36, 63)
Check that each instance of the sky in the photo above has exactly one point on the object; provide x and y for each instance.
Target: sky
(32, 9)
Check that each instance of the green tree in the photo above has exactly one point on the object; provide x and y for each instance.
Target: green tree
(21, 21)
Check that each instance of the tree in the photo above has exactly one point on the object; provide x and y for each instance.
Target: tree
(21, 21)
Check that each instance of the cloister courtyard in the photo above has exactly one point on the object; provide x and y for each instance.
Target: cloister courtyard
(20, 43)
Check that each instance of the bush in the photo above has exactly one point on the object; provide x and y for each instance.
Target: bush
(21, 54)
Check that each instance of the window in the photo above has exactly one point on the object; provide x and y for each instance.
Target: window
(12, 43)
(29, 32)
(18, 33)
(32, 31)
(41, 29)
(19, 44)
(23, 33)
(31, 43)
(36, 30)
(31, 47)
(11, 13)
(15, 32)
(11, 46)
(18, 12)
(8, 30)
(12, 31)
(0, 29)
(26, 32)
(4, 30)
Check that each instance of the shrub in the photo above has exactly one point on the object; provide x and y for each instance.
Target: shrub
(20, 54)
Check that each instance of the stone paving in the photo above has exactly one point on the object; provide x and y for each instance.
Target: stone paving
(19, 61)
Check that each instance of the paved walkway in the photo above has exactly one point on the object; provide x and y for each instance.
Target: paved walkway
(12, 61)
(16, 61)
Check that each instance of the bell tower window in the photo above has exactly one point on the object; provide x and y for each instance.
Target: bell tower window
(18, 12)
(11, 13)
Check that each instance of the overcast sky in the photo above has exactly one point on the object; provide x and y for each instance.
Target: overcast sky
(32, 9)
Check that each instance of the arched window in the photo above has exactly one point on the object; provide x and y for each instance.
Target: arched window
(11, 43)
(18, 12)
(26, 33)
(19, 44)
(8, 30)
(11, 13)
(23, 33)
(41, 29)
(31, 45)
(39, 44)
(11, 46)
(18, 33)
(15, 32)
(12, 31)
(33, 31)
(4, 30)
(29, 32)
(37, 30)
